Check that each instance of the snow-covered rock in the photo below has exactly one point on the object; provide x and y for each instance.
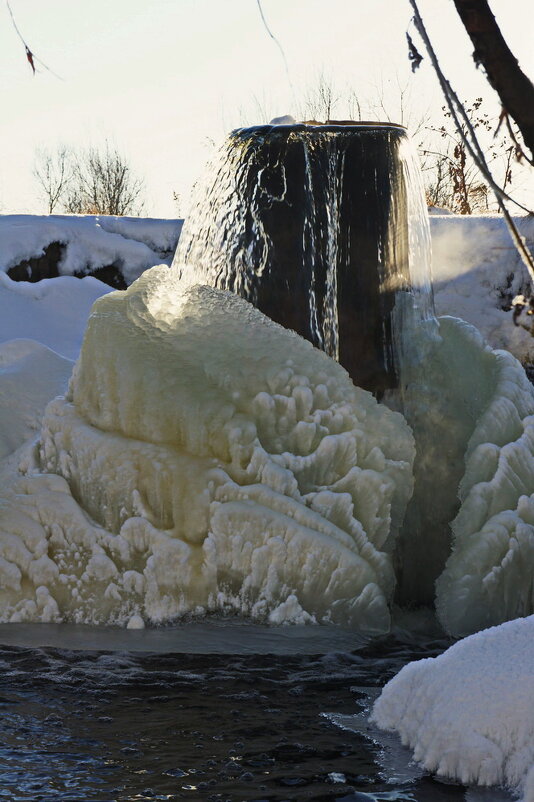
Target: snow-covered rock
(131, 245)
(469, 714)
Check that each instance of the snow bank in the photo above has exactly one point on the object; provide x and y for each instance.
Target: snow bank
(477, 272)
(212, 460)
(92, 242)
(53, 312)
(468, 714)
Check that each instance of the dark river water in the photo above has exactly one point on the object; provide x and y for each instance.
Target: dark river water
(267, 714)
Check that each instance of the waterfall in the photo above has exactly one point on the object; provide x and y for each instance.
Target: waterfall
(324, 229)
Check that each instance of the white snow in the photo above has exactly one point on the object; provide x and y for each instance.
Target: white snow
(53, 312)
(285, 119)
(30, 375)
(41, 331)
(91, 242)
(468, 714)
(211, 460)
(476, 271)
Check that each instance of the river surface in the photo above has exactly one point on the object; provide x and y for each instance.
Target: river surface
(213, 711)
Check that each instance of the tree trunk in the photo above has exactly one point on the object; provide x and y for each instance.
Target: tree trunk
(504, 74)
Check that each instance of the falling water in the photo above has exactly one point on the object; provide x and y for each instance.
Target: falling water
(324, 229)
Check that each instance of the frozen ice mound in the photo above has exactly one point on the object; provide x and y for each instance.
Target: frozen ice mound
(489, 576)
(205, 458)
(468, 714)
(468, 535)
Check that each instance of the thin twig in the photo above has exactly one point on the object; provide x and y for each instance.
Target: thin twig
(279, 46)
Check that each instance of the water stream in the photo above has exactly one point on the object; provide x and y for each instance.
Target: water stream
(212, 711)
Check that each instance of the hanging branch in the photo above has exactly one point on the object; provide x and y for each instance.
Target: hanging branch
(30, 55)
(470, 140)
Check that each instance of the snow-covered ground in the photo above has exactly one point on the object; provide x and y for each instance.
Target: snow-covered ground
(477, 272)
(469, 714)
(53, 311)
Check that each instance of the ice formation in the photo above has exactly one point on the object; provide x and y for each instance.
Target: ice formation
(212, 460)
(468, 714)
(471, 409)
(489, 576)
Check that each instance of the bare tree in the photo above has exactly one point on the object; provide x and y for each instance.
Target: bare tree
(354, 105)
(103, 183)
(320, 100)
(399, 108)
(53, 172)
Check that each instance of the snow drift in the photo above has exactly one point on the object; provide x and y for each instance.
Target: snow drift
(211, 460)
(52, 312)
(30, 375)
(468, 714)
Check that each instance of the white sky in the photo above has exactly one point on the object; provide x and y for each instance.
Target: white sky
(161, 79)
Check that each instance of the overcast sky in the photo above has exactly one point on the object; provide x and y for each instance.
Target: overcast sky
(164, 79)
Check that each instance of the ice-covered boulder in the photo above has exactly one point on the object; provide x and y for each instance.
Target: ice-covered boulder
(468, 714)
(210, 460)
